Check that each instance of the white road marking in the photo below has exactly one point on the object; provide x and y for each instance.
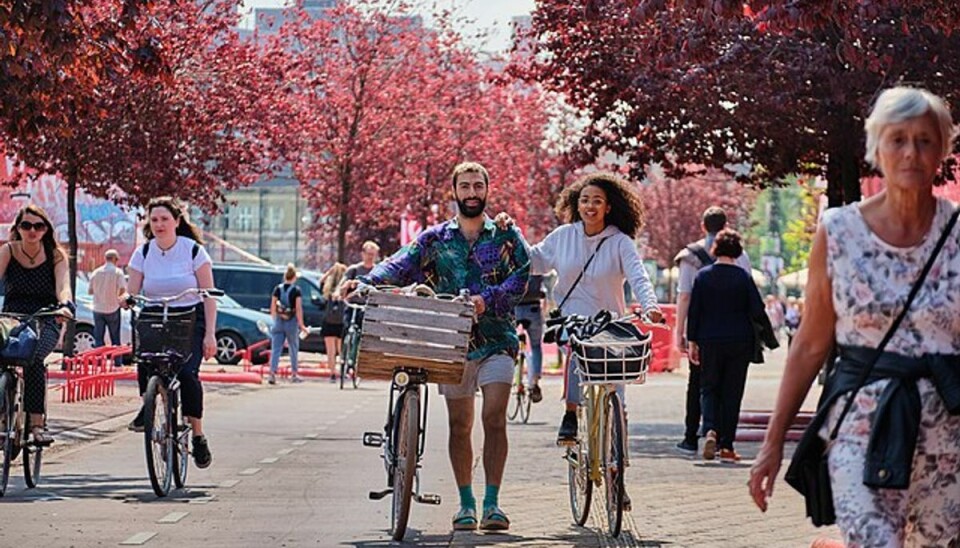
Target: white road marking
(202, 500)
(227, 484)
(312, 436)
(173, 517)
(286, 451)
(299, 443)
(269, 460)
(139, 539)
(249, 471)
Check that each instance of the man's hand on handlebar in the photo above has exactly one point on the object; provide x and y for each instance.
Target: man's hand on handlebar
(479, 306)
(348, 287)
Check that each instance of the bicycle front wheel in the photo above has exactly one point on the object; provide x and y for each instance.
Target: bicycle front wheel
(578, 472)
(181, 443)
(614, 445)
(354, 338)
(405, 440)
(525, 400)
(32, 460)
(7, 429)
(158, 443)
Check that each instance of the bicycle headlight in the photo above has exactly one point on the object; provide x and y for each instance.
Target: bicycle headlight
(401, 378)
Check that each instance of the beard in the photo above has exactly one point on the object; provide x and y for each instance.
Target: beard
(471, 211)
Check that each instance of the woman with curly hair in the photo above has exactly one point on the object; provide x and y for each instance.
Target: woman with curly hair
(602, 214)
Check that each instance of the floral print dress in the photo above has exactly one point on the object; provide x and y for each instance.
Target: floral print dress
(870, 281)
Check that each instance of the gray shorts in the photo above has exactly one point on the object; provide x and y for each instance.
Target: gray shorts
(493, 369)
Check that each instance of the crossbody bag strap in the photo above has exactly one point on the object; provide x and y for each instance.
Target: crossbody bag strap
(865, 373)
(582, 272)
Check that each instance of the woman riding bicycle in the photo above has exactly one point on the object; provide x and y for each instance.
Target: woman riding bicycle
(35, 274)
(174, 260)
(603, 214)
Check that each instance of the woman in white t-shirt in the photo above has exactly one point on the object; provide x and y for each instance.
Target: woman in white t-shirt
(603, 214)
(173, 260)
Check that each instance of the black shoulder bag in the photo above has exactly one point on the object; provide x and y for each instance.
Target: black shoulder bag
(808, 472)
(550, 335)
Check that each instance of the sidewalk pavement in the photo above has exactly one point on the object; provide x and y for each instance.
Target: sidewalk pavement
(677, 500)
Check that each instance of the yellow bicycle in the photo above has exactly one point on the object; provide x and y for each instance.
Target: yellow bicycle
(599, 455)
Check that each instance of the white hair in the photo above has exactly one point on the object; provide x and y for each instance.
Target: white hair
(901, 103)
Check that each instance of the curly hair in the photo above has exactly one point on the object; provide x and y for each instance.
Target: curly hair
(626, 209)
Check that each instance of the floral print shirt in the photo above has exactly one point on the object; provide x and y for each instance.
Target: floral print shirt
(496, 266)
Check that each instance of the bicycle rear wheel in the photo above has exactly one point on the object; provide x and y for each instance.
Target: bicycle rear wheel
(524, 394)
(8, 429)
(352, 356)
(32, 459)
(405, 440)
(578, 473)
(158, 443)
(614, 445)
(181, 443)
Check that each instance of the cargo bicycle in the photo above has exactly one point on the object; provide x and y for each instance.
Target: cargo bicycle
(410, 340)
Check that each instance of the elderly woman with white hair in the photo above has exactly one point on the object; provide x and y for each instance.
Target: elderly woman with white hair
(894, 466)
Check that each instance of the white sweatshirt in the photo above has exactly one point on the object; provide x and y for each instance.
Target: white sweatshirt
(567, 249)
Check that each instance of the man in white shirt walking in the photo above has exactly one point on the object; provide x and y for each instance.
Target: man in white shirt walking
(106, 285)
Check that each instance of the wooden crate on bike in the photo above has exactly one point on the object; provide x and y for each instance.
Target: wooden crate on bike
(417, 332)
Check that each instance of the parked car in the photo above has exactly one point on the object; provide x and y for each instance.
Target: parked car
(251, 285)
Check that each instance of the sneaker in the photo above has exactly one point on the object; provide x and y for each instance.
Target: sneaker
(272, 379)
(201, 452)
(136, 425)
(710, 446)
(729, 456)
(687, 446)
(333, 378)
(627, 503)
(535, 394)
(568, 428)
(296, 379)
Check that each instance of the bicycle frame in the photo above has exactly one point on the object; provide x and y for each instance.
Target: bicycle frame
(388, 441)
(594, 398)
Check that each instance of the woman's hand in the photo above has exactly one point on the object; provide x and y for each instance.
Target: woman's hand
(693, 352)
(764, 472)
(209, 346)
(503, 220)
(655, 315)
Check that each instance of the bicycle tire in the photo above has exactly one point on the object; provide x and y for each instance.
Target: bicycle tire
(614, 446)
(32, 459)
(406, 440)
(6, 413)
(343, 367)
(181, 445)
(157, 442)
(516, 391)
(525, 400)
(352, 356)
(578, 473)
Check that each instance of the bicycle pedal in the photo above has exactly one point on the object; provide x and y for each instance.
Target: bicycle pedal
(427, 499)
(372, 439)
(377, 495)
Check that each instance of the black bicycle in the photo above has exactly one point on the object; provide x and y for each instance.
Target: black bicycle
(351, 345)
(162, 341)
(15, 424)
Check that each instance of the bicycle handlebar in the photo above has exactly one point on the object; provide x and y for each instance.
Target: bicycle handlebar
(205, 293)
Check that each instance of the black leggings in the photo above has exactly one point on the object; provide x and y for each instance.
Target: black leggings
(35, 375)
(191, 391)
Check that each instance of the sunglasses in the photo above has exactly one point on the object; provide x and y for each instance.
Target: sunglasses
(38, 226)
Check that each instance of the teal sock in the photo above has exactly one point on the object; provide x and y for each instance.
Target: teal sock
(466, 497)
(490, 496)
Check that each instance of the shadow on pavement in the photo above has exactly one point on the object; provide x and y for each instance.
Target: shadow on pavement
(99, 486)
(413, 537)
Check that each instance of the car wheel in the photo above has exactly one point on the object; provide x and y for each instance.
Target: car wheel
(229, 346)
(82, 338)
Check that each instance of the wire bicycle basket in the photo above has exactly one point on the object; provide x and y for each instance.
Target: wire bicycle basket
(616, 352)
(163, 340)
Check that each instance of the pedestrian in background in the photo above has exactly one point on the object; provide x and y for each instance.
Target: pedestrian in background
(530, 313)
(894, 467)
(332, 329)
(724, 306)
(107, 283)
(691, 259)
(286, 309)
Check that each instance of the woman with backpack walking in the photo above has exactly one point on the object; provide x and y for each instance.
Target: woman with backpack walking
(287, 312)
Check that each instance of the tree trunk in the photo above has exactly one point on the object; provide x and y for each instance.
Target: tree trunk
(344, 220)
(73, 246)
(843, 177)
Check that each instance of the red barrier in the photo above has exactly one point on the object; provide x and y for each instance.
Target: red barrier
(91, 374)
(247, 354)
(665, 356)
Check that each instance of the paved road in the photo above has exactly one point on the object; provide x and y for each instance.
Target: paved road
(289, 470)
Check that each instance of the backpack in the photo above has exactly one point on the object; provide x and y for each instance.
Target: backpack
(284, 308)
(193, 252)
(700, 253)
